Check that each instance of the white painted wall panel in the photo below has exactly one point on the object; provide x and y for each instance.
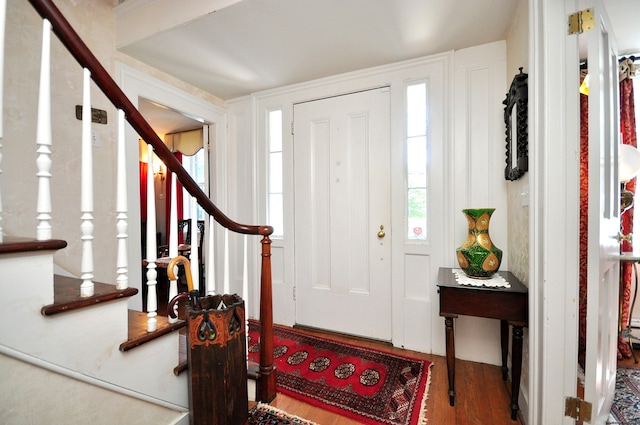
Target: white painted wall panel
(418, 280)
(465, 119)
(479, 87)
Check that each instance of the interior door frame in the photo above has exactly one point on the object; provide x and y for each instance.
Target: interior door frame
(136, 84)
(413, 317)
(554, 221)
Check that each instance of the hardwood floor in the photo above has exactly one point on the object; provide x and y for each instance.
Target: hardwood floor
(482, 396)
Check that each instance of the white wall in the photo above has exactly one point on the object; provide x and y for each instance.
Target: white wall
(518, 191)
(477, 175)
(467, 167)
(95, 23)
(47, 397)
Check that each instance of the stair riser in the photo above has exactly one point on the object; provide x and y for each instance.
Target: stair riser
(86, 340)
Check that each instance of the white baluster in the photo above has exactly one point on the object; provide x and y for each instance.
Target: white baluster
(1, 234)
(245, 294)
(43, 138)
(210, 264)
(3, 14)
(226, 261)
(3, 17)
(86, 195)
(173, 242)
(193, 256)
(122, 265)
(152, 273)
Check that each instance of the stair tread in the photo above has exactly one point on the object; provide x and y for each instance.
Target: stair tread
(13, 244)
(66, 295)
(138, 334)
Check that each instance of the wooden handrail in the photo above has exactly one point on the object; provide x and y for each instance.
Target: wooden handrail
(266, 386)
(103, 80)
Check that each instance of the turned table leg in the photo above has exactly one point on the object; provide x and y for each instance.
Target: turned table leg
(504, 345)
(451, 359)
(516, 369)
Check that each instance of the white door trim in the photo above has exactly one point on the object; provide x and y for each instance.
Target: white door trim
(135, 84)
(414, 294)
(554, 228)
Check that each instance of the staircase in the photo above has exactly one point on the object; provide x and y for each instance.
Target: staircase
(71, 349)
(52, 331)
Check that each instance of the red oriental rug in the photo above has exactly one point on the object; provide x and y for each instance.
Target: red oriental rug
(370, 386)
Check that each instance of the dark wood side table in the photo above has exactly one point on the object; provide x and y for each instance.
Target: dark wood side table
(509, 305)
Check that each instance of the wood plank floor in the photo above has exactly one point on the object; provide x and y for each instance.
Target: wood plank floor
(482, 396)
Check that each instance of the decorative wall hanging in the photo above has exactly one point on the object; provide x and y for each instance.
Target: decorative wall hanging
(517, 132)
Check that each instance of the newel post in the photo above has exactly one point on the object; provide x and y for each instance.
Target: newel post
(266, 385)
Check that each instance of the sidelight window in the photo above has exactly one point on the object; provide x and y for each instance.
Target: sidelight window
(275, 206)
(416, 161)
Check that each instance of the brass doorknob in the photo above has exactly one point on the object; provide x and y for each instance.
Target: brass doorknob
(381, 233)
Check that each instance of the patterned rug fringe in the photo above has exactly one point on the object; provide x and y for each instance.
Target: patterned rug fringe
(422, 420)
(285, 417)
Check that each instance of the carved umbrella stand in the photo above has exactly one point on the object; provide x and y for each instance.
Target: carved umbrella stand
(216, 354)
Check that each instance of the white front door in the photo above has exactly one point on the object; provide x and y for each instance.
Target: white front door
(342, 213)
(604, 217)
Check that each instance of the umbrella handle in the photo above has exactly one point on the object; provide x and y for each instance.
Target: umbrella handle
(172, 269)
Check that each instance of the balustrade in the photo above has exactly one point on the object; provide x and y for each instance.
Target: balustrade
(54, 21)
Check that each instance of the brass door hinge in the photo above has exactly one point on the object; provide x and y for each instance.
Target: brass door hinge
(577, 409)
(581, 21)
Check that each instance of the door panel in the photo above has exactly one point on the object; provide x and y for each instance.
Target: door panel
(342, 193)
(604, 218)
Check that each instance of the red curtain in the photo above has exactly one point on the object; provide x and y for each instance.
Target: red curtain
(628, 130)
(584, 220)
(179, 201)
(143, 190)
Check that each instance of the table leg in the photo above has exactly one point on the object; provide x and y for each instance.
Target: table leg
(451, 359)
(516, 370)
(504, 344)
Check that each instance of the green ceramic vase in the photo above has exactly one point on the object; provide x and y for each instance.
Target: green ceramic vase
(478, 256)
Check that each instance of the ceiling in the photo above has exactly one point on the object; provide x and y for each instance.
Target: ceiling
(252, 45)
(238, 47)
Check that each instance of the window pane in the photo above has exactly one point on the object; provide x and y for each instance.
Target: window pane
(275, 185)
(417, 155)
(275, 131)
(276, 218)
(417, 199)
(416, 110)
(417, 180)
(275, 172)
(195, 168)
(416, 151)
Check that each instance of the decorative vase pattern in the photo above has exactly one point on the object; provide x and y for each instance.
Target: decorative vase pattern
(478, 256)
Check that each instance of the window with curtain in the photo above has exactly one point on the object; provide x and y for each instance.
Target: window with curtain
(190, 145)
(194, 164)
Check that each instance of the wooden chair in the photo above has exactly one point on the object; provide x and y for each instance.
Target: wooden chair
(184, 234)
